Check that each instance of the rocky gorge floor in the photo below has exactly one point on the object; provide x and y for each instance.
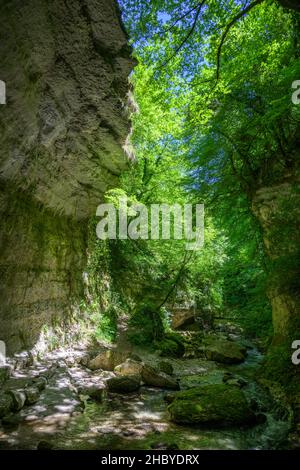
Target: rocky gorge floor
(136, 399)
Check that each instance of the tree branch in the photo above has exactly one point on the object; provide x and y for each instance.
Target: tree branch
(228, 28)
(187, 37)
(164, 31)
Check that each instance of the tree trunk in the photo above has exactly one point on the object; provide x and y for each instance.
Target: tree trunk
(278, 211)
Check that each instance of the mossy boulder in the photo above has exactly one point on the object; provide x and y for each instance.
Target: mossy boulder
(224, 351)
(166, 367)
(217, 404)
(201, 380)
(171, 346)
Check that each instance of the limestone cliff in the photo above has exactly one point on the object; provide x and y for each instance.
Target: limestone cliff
(66, 66)
(277, 209)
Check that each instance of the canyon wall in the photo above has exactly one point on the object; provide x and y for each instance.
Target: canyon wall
(66, 66)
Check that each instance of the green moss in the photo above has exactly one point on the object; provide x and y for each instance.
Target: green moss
(169, 348)
(217, 404)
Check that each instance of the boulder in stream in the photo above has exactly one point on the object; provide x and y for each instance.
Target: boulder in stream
(224, 351)
(129, 367)
(155, 378)
(123, 384)
(217, 404)
(107, 360)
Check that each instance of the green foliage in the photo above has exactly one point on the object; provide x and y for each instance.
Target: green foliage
(169, 348)
(146, 325)
(172, 345)
(106, 328)
(215, 124)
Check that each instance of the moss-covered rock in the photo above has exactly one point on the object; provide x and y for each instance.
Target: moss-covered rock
(217, 404)
(225, 352)
(166, 367)
(201, 380)
(171, 346)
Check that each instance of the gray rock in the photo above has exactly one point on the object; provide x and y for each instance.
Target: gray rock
(58, 154)
(129, 367)
(107, 360)
(18, 399)
(156, 378)
(123, 384)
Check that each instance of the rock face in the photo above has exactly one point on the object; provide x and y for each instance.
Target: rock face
(66, 67)
(213, 404)
(182, 318)
(277, 209)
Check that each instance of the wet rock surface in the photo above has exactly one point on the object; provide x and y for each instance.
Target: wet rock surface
(78, 408)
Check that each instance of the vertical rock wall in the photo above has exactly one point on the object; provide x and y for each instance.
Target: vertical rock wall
(66, 65)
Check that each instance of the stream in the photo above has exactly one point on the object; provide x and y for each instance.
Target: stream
(140, 420)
